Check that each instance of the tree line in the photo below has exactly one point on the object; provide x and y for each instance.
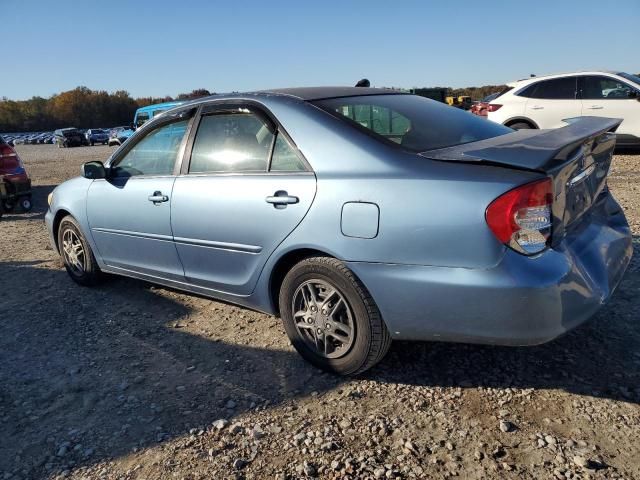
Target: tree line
(80, 107)
(86, 108)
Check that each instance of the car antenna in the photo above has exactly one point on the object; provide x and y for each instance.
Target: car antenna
(363, 83)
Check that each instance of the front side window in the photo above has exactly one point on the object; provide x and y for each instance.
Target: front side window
(555, 89)
(231, 142)
(594, 87)
(415, 123)
(155, 154)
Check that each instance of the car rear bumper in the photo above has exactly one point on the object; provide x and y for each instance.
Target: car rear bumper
(520, 301)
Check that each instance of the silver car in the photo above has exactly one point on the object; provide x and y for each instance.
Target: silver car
(358, 216)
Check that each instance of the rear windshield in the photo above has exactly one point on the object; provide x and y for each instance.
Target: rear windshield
(415, 123)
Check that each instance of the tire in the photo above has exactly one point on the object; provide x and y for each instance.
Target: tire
(521, 126)
(364, 338)
(92, 144)
(85, 271)
(26, 204)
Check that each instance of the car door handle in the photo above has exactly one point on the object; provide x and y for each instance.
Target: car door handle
(595, 107)
(158, 197)
(537, 107)
(281, 199)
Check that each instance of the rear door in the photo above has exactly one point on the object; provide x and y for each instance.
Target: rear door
(604, 96)
(243, 190)
(129, 213)
(551, 101)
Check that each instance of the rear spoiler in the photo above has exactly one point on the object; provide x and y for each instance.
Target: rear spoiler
(529, 149)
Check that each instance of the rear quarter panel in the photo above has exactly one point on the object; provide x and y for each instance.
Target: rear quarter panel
(513, 107)
(433, 217)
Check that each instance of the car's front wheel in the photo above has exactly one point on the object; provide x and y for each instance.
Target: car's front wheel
(330, 317)
(76, 253)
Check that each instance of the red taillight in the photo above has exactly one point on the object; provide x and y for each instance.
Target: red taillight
(493, 107)
(8, 158)
(521, 218)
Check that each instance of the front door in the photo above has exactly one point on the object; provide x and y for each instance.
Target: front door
(129, 213)
(245, 190)
(609, 97)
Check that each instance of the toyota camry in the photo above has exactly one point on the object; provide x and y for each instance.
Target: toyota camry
(357, 215)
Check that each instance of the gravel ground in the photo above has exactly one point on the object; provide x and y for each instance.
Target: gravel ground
(130, 380)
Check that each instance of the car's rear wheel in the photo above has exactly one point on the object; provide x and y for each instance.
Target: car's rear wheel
(520, 126)
(76, 253)
(330, 317)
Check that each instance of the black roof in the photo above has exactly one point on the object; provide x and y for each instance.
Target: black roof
(319, 93)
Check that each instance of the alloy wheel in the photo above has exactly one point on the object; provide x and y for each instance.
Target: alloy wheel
(73, 251)
(323, 318)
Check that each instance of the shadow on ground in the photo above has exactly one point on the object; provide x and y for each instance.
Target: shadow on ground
(113, 369)
(627, 151)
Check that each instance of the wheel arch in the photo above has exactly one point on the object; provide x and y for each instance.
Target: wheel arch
(60, 214)
(282, 267)
(513, 120)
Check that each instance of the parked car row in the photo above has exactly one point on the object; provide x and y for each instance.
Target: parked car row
(69, 137)
(549, 101)
(28, 138)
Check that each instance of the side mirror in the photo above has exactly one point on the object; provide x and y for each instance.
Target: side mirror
(93, 170)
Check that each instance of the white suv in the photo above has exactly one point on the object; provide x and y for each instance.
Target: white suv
(544, 102)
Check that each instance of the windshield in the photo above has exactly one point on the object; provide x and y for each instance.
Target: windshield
(141, 118)
(415, 123)
(633, 78)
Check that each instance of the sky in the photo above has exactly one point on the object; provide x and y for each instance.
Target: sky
(162, 47)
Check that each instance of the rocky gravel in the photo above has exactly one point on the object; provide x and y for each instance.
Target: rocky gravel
(135, 381)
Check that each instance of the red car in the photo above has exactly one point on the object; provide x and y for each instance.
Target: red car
(481, 108)
(15, 189)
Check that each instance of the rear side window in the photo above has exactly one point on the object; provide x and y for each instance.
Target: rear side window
(555, 89)
(285, 158)
(231, 142)
(412, 122)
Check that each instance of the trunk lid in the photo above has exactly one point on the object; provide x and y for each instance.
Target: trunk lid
(576, 157)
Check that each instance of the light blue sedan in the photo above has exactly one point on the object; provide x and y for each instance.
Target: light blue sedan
(357, 215)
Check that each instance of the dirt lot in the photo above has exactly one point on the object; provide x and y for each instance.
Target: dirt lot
(130, 380)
